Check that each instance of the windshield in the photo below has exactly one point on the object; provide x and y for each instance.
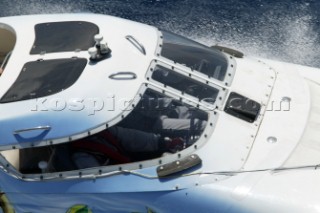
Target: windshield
(194, 55)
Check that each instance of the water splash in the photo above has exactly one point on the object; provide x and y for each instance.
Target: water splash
(286, 30)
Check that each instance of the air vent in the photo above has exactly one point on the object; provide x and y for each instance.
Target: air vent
(242, 107)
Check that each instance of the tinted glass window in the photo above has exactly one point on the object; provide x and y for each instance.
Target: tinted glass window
(41, 78)
(185, 84)
(64, 36)
(198, 57)
(166, 116)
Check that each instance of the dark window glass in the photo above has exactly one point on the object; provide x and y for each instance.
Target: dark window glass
(64, 36)
(185, 84)
(42, 78)
(166, 117)
(198, 57)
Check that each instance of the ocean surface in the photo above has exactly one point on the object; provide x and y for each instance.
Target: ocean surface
(287, 30)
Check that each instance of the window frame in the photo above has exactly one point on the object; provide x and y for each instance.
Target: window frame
(222, 94)
(231, 68)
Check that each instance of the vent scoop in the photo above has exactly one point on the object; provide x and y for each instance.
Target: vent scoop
(242, 107)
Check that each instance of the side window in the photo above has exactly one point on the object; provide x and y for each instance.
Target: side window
(185, 84)
(196, 56)
(157, 125)
(161, 114)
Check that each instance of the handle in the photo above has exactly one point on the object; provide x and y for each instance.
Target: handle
(123, 76)
(135, 43)
(16, 132)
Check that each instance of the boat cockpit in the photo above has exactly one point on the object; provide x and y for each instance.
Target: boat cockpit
(172, 99)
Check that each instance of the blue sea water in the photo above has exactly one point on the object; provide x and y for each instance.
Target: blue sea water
(286, 30)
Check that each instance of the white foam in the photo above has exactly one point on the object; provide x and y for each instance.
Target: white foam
(279, 33)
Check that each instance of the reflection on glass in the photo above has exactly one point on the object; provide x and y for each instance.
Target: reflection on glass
(208, 61)
(185, 84)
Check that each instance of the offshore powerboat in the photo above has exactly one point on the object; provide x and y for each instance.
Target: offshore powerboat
(68, 77)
